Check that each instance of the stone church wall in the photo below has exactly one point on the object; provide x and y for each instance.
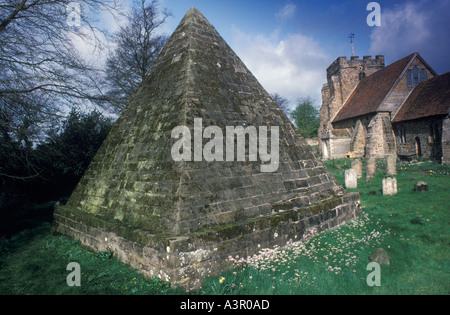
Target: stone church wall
(380, 136)
(425, 138)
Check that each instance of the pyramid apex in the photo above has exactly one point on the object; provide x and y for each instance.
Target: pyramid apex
(193, 12)
(193, 16)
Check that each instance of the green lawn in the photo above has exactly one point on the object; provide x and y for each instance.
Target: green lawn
(413, 227)
(35, 261)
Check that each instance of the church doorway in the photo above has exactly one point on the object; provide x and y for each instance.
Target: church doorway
(418, 148)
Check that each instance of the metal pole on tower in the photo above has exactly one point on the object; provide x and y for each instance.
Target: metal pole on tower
(351, 36)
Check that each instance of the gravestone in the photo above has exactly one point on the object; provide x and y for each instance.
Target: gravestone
(389, 186)
(371, 170)
(357, 166)
(180, 218)
(380, 256)
(421, 186)
(391, 164)
(351, 179)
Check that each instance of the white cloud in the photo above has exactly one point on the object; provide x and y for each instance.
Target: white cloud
(286, 12)
(293, 66)
(420, 26)
(404, 29)
(91, 45)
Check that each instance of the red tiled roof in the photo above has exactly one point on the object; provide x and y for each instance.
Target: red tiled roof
(372, 90)
(429, 98)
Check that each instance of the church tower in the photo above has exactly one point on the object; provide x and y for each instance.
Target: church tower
(342, 77)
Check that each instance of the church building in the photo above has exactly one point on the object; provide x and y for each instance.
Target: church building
(369, 109)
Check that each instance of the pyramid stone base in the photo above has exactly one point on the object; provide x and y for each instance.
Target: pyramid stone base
(186, 259)
(180, 220)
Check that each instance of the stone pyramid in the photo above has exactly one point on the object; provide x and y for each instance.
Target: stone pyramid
(180, 219)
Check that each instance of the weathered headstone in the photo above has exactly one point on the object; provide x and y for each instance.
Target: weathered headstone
(389, 186)
(351, 179)
(391, 164)
(371, 170)
(421, 186)
(179, 218)
(380, 256)
(358, 167)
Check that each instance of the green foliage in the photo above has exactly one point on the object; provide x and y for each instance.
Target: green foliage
(306, 118)
(53, 168)
(69, 152)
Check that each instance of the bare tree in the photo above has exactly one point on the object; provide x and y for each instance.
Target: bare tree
(40, 69)
(282, 102)
(137, 46)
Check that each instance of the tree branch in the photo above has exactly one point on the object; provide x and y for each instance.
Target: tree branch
(13, 15)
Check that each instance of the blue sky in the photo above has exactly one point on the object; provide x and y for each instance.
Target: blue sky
(288, 44)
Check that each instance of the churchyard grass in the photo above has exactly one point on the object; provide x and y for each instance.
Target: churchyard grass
(411, 226)
(34, 262)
